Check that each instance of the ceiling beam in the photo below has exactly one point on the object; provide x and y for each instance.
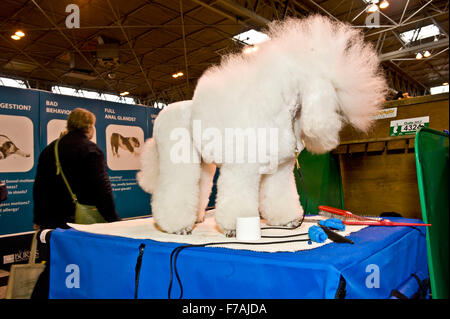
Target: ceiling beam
(220, 12)
(408, 51)
(404, 23)
(33, 60)
(404, 75)
(261, 21)
(117, 18)
(324, 10)
(73, 45)
(186, 64)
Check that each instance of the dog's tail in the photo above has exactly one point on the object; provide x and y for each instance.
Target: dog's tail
(147, 177)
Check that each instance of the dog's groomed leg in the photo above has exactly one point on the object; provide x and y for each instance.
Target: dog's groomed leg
(175, 199)
(206, 183)
(279, 201)
(237, 195)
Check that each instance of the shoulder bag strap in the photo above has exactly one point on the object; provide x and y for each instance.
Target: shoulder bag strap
(60, 171)
(32, 258)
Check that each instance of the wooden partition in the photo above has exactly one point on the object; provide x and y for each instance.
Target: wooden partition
(379, 171)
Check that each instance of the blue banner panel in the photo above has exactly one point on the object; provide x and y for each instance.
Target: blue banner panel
(54, 109)
(120, 131)
(124, 129)
(30, 120)
(19, 152)
(152, 113)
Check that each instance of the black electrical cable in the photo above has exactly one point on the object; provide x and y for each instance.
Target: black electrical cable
(177, 250)
(138, 270)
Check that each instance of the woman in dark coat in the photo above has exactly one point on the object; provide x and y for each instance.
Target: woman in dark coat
(83, 164)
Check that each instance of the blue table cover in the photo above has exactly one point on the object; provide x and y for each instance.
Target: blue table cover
(85, 265)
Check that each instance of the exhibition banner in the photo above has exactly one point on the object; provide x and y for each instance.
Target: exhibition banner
(32, 119)
(54, 109)
(152, 113)
(19, 151)
(120, 132)
(124, 129)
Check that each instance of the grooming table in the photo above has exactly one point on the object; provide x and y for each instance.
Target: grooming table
(86, 265)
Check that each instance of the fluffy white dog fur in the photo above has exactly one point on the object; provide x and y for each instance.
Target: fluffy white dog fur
(310, 78)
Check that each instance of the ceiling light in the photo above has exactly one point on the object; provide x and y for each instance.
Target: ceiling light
(124, 93)
(250, 49)
(251, 37)
(15, 37)
(424, 32)
(247, 50)
(426, 54)
(20, 33)
(419, 56)
(175, 75)
(372, 8)
(384, 4)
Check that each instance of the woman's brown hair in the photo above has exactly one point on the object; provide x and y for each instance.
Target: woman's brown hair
(81, 120)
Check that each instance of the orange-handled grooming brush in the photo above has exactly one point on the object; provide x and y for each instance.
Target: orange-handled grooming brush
(349, 218)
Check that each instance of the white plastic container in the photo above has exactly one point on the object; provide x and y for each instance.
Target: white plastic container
(248, 228)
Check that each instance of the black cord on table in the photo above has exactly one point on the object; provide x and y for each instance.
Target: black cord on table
(177, 250)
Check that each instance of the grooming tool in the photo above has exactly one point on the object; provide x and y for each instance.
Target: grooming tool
(317, 234)
(349, 218)
(335, 236)
(333, 223)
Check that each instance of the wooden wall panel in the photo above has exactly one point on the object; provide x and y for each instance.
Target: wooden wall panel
(374, 184)
(434, 106)
(378, 171)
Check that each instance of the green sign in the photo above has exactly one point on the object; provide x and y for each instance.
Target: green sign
(408, 126)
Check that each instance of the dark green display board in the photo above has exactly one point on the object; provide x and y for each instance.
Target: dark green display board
(322, 184)
(431, 149)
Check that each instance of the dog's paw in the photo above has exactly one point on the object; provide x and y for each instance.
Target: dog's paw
(294, 223)
(200, 219)
(184, 231)
(230, 233)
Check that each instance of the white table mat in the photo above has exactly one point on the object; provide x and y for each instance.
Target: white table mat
(208, 232)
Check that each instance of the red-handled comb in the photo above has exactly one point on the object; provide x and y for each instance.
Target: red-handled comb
(349, 218)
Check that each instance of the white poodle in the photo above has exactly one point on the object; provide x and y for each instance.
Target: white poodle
(296, 91)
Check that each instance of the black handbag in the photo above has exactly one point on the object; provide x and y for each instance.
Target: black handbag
(3, 192)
